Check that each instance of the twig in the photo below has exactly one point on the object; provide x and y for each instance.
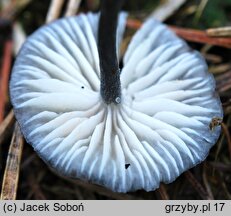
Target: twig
(201, 37)
(189, 34)
(196, 185)
(6, 125)
(11, 173)
(54, 10)
(72, 7)
(6, 65)
(167, 9)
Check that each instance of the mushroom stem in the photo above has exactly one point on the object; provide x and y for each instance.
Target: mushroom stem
(110, 86)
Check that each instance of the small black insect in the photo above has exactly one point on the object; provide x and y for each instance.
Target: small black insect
(127, 165)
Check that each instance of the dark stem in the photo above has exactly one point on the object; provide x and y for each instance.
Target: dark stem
(110, 87)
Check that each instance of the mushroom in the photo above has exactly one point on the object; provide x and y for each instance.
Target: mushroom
(125, 130)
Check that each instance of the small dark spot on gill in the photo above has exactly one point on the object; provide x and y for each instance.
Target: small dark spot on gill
(82, 87)
(127, 165)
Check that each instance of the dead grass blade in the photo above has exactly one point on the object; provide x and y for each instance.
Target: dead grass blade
(72, 7)
(54, 10)
(11, 173)
(6, 125)
(219, 32)
(167, 9)
(19, 37)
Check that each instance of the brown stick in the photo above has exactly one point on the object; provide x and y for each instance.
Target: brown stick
(201, 37)
(189, 34)
(11, 174)
(5, 71)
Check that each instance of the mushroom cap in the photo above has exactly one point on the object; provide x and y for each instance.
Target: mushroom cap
(161, 128)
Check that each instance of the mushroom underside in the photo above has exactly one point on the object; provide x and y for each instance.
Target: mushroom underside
(161, 128)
